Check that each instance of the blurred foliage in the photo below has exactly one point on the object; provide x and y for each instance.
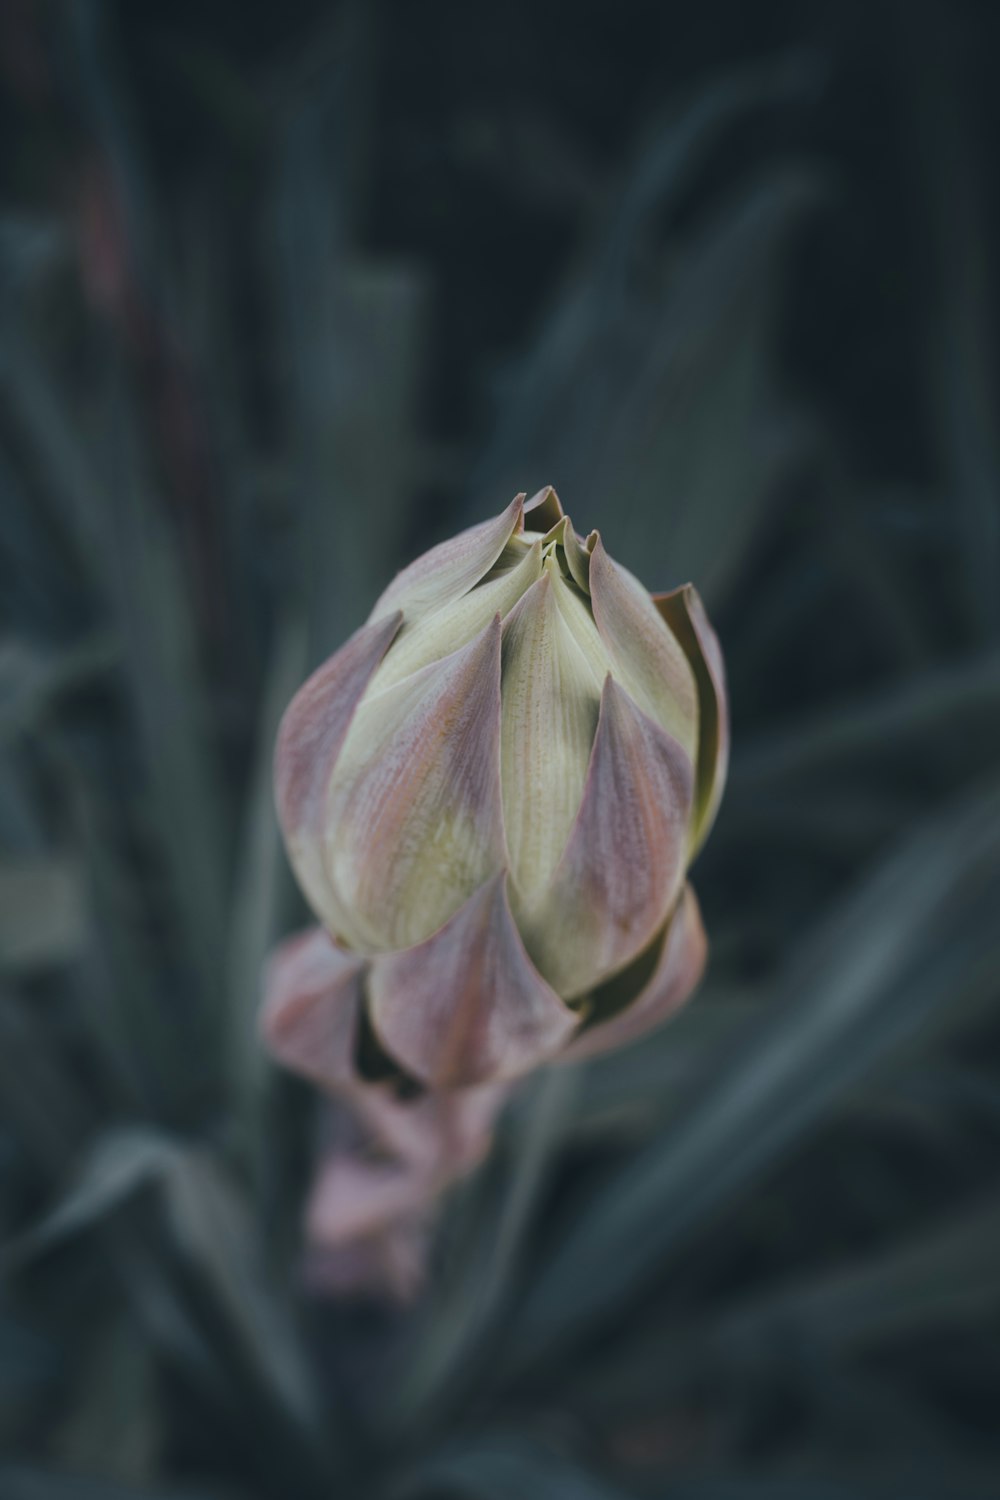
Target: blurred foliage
(286, 293)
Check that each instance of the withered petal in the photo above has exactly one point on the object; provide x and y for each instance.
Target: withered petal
(310, 737)
(684, 612)
(312, 998)
(449, 570)
(467, 1006)
(625, 859)
(645, 657)
(683, 950)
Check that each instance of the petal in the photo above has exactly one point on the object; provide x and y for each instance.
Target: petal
(449, 570)
(645, 657)
(310, 737)
(353, 1198)
(578, 553)
(625, 859)
(309, 1019)
(543, 510)
(551, 700)
(467, 1006)
(446, 1132)
(413, 811)
(685, 614)
(443, 631)
(679, 962)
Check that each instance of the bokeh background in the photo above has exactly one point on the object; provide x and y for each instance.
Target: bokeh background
(287, 293)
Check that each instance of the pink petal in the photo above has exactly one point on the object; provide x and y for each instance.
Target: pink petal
(625, 859)
(685, 614)
(309, 1019)
(414, 816)
(683, 950)
(449, 570)
(353, 1198)
(312, 732)
(645, 657)
(467, 1006)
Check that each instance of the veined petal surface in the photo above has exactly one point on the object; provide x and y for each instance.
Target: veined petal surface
(551, 700)
(467, 1006)
(413, 811)
(311, 735)
(624, 863)
(449, 570)
(442, 631)
(645, 656)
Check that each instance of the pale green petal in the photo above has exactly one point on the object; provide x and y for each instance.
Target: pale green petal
(413, 815)
(442, 631)
(449, 570)
(551, 699)
(646, 657)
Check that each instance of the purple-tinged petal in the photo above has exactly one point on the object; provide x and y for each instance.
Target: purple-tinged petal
(312, 732)
(645, 657)
(682, 950)
(443, 631)
(624, 863)
(449, 570)
(466, 1006)
(309, 1019)
(543, 510)
(685, 614)
(413, 813)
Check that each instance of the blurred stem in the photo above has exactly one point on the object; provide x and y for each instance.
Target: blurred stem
(457, 1330)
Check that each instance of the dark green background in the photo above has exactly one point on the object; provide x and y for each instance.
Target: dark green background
(287, 293)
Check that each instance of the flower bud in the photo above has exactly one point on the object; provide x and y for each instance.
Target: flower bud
(490, 796)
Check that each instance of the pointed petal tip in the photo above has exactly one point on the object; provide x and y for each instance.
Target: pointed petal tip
(624, 862)
(544, 509)
(467, 1006)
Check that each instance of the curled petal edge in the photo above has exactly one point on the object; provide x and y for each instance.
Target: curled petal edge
(310, 738)
(685, 614)
(683, 953)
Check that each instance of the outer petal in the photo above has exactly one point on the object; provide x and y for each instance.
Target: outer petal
(551, 700)
(413, 810)
(467, 1006)
(644, 654)
(309, 1020)
(440, 632)
(310, 738)
(681, 950)
(449, 570)
(625, 860)
(685, 614)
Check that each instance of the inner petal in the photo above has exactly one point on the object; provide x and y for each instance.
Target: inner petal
(550, 700)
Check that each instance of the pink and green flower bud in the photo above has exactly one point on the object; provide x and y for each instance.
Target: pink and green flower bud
(491, 796)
